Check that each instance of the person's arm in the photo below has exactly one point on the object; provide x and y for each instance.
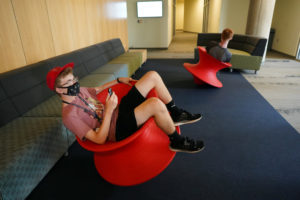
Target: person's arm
(101, 134)
(228, 56)
(106, 85)
(125, 80)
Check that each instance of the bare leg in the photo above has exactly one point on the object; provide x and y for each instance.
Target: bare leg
(153, 80)
(154, 107)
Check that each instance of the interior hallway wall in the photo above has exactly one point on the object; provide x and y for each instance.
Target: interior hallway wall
(214, 16)
(179, 14)
(170, 20)
(193, 15)
(34, 30)
(234, 14)
(287, 26)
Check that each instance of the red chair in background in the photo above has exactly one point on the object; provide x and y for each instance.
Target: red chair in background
(205, 71)
(136, 159)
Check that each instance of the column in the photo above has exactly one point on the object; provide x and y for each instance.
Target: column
(214, 16)
(260, 16)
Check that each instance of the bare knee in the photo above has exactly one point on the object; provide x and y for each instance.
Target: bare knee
(153, 75)
(157, 105)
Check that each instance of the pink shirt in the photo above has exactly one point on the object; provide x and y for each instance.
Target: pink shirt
(80, 122)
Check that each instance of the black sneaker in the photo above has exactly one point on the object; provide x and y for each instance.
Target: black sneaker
(184, 117)
(186, 145)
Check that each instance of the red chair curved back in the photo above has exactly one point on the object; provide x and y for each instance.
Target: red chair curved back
(206, 69)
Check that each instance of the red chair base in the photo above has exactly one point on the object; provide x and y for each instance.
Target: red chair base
(198, 81)
(141, 160)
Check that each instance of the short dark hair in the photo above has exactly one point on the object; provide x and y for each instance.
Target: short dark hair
(227, 34)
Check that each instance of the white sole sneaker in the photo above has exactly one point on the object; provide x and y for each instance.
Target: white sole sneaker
(186, 122)
(186, 151)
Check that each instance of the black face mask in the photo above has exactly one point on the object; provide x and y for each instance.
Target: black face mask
(73, 90)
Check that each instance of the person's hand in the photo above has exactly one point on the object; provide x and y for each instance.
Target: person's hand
(111, 102)
(126, 80)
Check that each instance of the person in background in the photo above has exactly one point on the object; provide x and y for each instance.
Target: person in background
(99, 122)
(219, 50)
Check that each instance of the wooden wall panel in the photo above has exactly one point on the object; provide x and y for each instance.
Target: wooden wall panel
(105, 22)
(34, 29)
(122, 32)
(11, 50)
(115, 15)
(123, 26)
(79, 23)
(41, 29)
(108, 22)
(124, 36)
(94, 13)
(61, 20)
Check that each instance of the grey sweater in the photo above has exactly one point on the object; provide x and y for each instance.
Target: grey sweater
(218, 52)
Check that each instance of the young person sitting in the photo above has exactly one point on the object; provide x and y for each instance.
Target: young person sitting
(97, 121)
(219, 50)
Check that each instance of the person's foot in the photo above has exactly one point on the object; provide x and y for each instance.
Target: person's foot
(183, 117)
(186, 145)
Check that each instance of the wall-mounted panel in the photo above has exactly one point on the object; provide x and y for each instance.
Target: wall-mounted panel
(34, 28)
(11, 50)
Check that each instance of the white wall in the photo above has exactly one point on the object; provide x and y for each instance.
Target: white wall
(179, 14)
(193, 15)
(234, 14)
(170, 21)
(150, 32)
(214, 15)
(287, 26)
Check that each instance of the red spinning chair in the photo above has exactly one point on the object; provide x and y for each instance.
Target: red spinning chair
(136, 159)
(205, 71)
